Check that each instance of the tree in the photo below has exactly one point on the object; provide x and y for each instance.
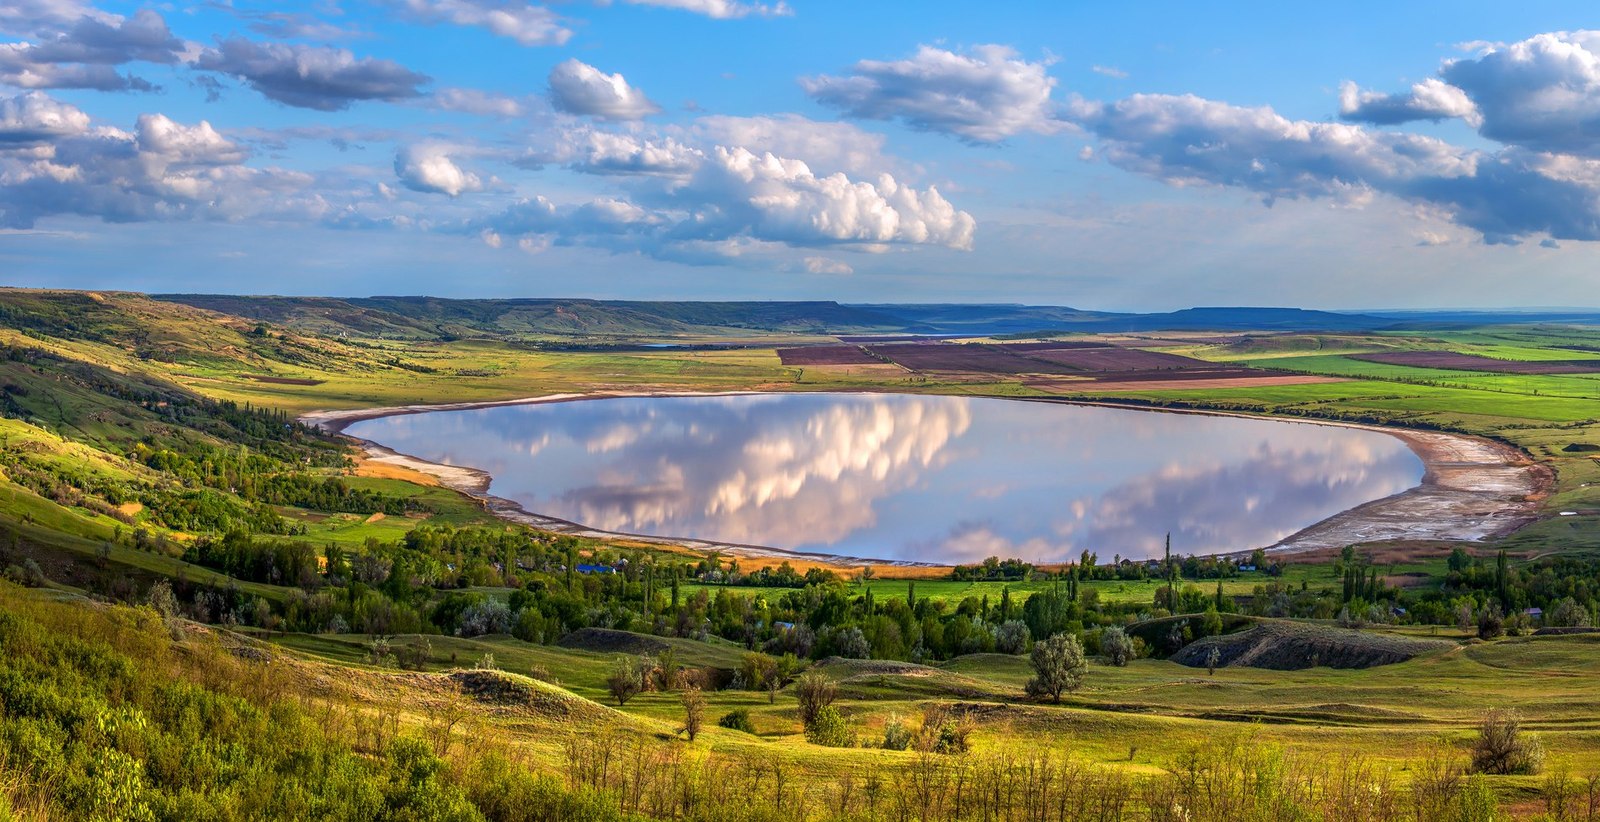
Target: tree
(626, 679)
(667, 670)
(814, 693)
(1011, 637)
(1501, 747)
(1491, 623)
(779, 673)
(1172, 577)
(1211, 623)
(1117, 647)
(1058, 666)
(694, 711)
(850, 643)
(1213, 658)
(755, 669)
(1567, 613)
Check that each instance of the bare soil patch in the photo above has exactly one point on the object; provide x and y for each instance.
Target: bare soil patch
(1119, 359)
(608, 641)
(827, 355)
(979, 358)
(366, 467)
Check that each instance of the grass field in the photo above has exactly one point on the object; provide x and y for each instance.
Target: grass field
(1140, 716)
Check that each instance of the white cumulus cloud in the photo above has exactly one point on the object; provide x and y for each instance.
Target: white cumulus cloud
(428, 168)
(579, 88)
(983, 96)
(1431, 99)
(525, 23)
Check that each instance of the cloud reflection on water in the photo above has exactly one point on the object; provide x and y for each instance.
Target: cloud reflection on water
(912, 477)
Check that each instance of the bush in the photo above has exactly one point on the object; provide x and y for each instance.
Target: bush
(1011, 637)
(29, 575)
(1116, 646)
(490, 616)
(943, 731)
(829, 728)
(626, 679)
(414, 655)
(896, 736)
(737, 720)
(815, 692)
(1058, 667)
(1501, 747)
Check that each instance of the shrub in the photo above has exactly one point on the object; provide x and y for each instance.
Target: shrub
(414, 655)
(626, 679)
(29, 575)
(1011, 637)
(1058, 667)
(379, 654)
(489, 616)
(943, 730)
(814, 692)
(737, 720)
(896, 736)
(1116, 646)
(1501, 747)
(829, 728)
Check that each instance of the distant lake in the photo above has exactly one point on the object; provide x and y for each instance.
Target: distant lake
(933, 479)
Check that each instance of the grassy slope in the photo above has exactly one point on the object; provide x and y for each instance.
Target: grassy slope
(1154, 707)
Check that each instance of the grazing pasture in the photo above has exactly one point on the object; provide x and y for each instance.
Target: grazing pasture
(1453, 361)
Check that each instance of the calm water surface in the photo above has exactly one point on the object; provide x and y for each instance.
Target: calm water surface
(938, 479)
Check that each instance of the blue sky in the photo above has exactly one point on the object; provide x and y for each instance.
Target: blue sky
(1333, 156)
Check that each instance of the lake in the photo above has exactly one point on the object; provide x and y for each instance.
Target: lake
(922, 478)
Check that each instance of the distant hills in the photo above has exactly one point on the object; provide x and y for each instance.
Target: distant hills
(435, 318)
(438, 318)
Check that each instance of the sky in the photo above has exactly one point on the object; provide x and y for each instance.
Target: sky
(1142, 157)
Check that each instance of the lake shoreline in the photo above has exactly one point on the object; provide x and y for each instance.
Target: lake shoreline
(1472, 489)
